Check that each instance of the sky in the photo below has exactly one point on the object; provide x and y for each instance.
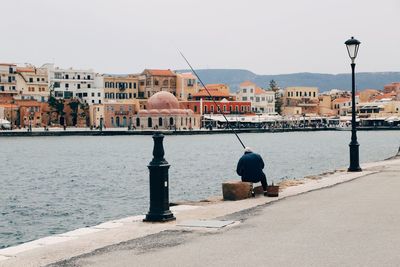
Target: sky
(263, 36)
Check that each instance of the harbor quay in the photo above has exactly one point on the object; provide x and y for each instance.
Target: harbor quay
(336, 218)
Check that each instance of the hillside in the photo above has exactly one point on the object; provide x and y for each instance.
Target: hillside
(233, 77)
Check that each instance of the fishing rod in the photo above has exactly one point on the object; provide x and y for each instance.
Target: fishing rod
(215, 103)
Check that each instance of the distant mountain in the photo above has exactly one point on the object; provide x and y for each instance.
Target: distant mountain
(325, 82)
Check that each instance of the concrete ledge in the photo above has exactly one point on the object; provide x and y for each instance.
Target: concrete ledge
(64, 246)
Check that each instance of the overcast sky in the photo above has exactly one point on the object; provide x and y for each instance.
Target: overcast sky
(264, 36)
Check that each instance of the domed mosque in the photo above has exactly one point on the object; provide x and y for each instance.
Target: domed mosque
(163, 112)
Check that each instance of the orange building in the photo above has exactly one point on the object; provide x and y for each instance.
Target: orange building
(30, 113)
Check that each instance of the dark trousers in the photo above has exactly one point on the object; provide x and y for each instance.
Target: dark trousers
(263, 180)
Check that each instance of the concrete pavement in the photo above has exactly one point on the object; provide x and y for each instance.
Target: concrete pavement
(355, 223)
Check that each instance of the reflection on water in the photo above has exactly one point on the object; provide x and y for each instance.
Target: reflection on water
(51, 185)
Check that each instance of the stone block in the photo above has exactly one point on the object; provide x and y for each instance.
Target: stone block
(236, 190)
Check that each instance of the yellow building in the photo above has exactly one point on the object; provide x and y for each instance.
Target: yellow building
(186, 86)
(32, 83)
(300, 100)
(120, 87)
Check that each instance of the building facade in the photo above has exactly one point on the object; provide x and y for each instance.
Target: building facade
(73, 83)
(32, 83)
(186, 86)
(8, 84)
(120, 87)
(163, 112)
(300, 100)
(152, 81)
(262, 101)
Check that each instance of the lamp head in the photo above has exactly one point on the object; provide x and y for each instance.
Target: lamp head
(352, 48)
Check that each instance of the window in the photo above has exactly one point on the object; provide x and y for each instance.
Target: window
(106, 84)
(297, 93)
(224, 108)
(31, 80)
(244, 98)
(98, 94)
(92, 94)
(165, 83)
(160, 123)
(66, 85)
(38, 79)
(156, 82)
(57, 75)
(89, 78)
(251, 90)
(205, 109)
(88, 86)
(195, 108)
(66, 76)
(79, 77)
(314, 94)
(149, 123)
(134, 85)
(78, 86)
(244, 90)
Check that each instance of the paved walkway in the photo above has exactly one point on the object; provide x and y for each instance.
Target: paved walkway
(356, 223)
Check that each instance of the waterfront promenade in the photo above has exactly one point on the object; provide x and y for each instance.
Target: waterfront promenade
(73, 131)
(351, 221)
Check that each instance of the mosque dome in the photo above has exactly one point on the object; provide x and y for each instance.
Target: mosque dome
(163, 100)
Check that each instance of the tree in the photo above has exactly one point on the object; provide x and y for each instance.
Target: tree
(273, 85)
(278, 99)
(74, 105)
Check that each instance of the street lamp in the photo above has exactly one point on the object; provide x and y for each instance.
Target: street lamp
(352, 48)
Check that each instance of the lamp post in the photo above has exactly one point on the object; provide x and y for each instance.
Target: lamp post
(352, 48)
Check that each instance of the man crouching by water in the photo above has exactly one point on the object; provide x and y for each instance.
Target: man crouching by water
(250, 168)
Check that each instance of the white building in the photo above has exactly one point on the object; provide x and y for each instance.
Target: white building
(8, 83)
(72, 83)
(262, 101)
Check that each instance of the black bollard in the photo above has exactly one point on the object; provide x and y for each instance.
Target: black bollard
(159, 196)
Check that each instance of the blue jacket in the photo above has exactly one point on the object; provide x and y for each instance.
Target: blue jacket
(250, 167)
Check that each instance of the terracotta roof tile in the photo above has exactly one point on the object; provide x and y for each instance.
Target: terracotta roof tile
(156, 72)
(213, 92)
(259, 91)
(247, 83)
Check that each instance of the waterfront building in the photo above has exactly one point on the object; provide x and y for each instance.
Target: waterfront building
(325, 105)
(341, 106)
(120, 86)
(73, 83)
(392, 87)
(367, 95)
(30, 113)
(213, 93)
(8, 84)
(262, 101)
(209, 107)
(114, 113)
(152, 81)
(9, 112)
(163, 112)
(186, 86)
(300, 100)
(32, 83)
